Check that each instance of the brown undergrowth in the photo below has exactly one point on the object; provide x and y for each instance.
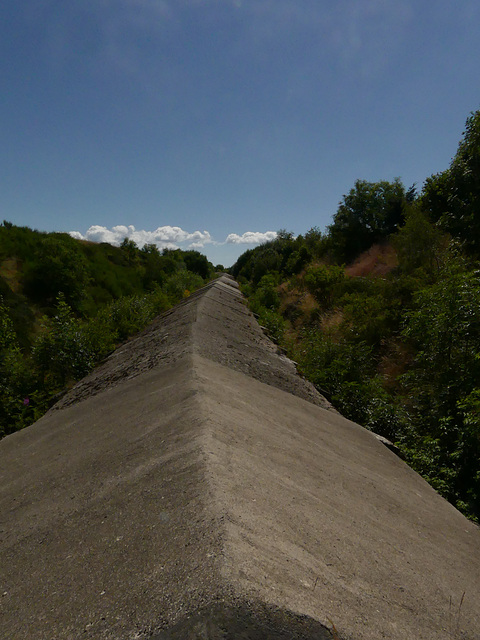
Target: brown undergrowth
(379, 260)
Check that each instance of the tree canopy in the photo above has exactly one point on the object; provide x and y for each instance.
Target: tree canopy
(369, 213)
(452, 197)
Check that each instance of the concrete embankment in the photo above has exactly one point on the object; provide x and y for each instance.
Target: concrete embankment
(194, 486)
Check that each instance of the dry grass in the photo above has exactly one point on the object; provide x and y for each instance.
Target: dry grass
(334, 631)
(395, 361)
(9, 270)
(330, 322)
(379, 260)
(296, 305)
(308, 304)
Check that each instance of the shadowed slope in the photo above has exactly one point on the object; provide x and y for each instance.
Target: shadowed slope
(180, 492)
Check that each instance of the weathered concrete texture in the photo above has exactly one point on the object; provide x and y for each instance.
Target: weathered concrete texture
(214, 322)
(181, 491)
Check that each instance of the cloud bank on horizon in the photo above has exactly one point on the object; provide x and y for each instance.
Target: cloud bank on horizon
(251, 237)
(168, 237)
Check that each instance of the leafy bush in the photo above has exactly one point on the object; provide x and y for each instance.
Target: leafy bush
(129, 314)
(181, 283)
(324, 283)
(16, 379)
(273, 323)
(266, 295)
(420, 245)
(366, 318)
(62, 352)
(339, 369)
(443, 383)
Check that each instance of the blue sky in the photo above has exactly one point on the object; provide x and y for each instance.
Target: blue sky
(195, 122)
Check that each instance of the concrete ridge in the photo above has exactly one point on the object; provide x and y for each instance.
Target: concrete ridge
(201, 323)
(182, 491)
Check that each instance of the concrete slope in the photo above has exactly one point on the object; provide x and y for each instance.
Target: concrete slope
(321, 517)
(193, 486)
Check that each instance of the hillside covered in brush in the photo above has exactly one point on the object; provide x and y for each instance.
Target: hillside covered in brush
(65, 304)
(382, 313)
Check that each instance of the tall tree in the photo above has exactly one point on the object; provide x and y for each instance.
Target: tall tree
(57, 267)
(443, 385)
(420, 244)
(369, 213)
(452, 198)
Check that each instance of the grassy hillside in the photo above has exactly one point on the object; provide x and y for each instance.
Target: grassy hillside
(382, 314)
(65, 304)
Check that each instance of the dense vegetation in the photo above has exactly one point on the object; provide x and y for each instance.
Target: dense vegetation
(65, 304)
(382, 314)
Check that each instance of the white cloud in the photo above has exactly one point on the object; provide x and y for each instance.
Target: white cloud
(163, 237)
(168, 237)
(251, 237)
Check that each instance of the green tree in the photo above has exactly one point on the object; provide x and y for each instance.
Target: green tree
(315, 242)
(365, 317)
(296, 261)
(420, 245)
(130, 251)
(443, 384)
(57, 267)
(452, 198)
(264, 261)
(7, 332)
(369, 213)
(181, 283)
(197, 263)
(154, 265)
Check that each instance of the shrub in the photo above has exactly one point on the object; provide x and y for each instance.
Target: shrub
(324, 283)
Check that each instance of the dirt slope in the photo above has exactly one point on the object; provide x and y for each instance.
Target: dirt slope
(195, 487)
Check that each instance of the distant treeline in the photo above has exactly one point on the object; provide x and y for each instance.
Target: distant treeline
(65, 304)
(382, 313)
